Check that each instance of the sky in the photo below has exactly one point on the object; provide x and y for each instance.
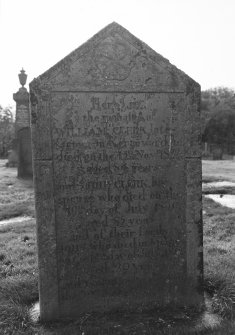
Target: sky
(198, 36)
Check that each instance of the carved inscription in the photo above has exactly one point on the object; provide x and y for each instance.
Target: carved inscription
(119, 190)
(114, 59)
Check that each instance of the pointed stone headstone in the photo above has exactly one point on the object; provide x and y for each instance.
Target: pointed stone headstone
(117, 168)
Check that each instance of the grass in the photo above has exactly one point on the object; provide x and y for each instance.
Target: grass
(219, 256)
(218, 170)
(19, 275)
(17, 195)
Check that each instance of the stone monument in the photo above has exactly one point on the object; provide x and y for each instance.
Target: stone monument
(117, 172)
(22, 130)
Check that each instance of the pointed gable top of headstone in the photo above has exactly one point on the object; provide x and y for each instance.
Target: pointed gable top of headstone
(114, 59)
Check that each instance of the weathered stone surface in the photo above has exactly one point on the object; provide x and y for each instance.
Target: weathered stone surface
(24, 153)
(22, 119)
(46, 232)
(116, 145)
(22, 109)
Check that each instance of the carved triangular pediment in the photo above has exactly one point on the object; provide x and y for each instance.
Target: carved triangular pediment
(114, 60)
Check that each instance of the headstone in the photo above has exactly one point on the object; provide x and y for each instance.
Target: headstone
(117, 168)
(23, 153)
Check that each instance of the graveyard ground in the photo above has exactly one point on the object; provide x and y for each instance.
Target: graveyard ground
(19, 275)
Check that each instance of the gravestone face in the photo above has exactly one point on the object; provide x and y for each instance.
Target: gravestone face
(117, 168)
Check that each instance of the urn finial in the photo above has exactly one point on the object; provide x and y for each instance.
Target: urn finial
(22, 77)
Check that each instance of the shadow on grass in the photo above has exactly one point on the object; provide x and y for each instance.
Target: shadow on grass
(121, 324)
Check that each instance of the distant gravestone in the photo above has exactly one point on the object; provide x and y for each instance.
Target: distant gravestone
(117, 164)
(24, 153)
(23, 150)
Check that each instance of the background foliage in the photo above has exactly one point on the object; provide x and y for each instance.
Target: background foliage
(218, 115)
(7, 130)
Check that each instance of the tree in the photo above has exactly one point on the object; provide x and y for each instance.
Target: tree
(7, 130)
(218, 121)
(216, 100)
(220, 130)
